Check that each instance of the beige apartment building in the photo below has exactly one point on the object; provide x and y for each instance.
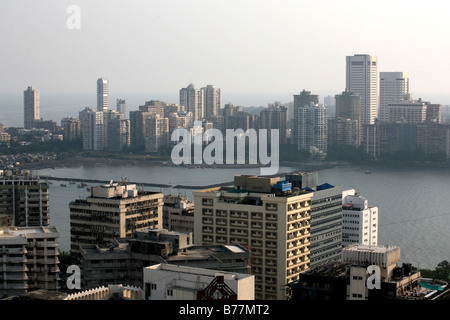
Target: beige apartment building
(264, 215)
(112, 211)
(28, 259)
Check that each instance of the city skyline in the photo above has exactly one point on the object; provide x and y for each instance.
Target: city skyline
(246, 47)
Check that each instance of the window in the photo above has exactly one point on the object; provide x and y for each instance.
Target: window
(170, 293)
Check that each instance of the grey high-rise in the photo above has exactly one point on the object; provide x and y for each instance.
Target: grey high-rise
(303, 99)
(102, 94)
(30, 107)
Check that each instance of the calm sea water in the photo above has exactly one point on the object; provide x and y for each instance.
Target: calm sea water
(413, 202)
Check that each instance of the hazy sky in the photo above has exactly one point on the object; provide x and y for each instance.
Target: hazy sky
(244, 47)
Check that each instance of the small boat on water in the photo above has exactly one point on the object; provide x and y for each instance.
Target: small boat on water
(63, 185)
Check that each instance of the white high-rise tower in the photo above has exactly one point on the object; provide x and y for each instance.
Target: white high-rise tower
(394, 88)
(362, 78)
(102, 94)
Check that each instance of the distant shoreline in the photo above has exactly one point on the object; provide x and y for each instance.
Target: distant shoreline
(92, 161)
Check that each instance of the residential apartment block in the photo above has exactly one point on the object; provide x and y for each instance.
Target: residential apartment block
(25, 199)
(112, 211)
(29, 259)
(264, 215)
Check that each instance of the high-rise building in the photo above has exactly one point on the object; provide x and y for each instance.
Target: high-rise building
(362, 79)
(213, 101)
(312, 128)
(102, 94)
(348, 106)
(156, 133)
(71, 127)
(118, 135)
(30, 107)
(305, 98)
(275, 117)
(92, 129)
(406, 112)
(121, 106)
(264, 215)
(394, 88)
(112, 211)
(359, 220)
(24, 199)
(193, 100)
(326, 216)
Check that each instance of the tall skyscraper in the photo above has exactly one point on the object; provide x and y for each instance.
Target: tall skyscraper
(348, 106)
(213, 100)
(92, 129)
(312, 128)
(193, 101)
(394, 88)
(102, 94)
(303, 99)
(121, 106)
(30, 107)
(362, 78)
(275, 117)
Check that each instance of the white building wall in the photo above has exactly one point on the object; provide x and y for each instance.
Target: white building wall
(172, 282)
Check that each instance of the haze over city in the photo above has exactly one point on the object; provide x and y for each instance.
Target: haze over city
(256, 51)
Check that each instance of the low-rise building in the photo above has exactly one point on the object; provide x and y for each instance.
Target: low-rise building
(172, 282)
(365, 273)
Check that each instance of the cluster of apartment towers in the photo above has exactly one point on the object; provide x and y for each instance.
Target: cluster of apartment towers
(376, 111)
(265, 227)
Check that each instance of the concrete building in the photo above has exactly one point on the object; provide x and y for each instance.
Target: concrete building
(343, 132)
(92, 129)
(178, 213)
(406, 112)
(312, 128)
(31, 107)
(326, 216)
(348, 106)
(362, 79)
(156, 133)
(24, 198)
(138, 120)
(170, 282)
(394, 88)
(29, 259)
(71, 127)
(112, 211)
(264, 215)
(275, 117)
(123, 260)
(118, 135)
(193, 100)
(305, 98)
(353, 278)
(102, 94)
(359, 220)
(121, 106)
(213, 101)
